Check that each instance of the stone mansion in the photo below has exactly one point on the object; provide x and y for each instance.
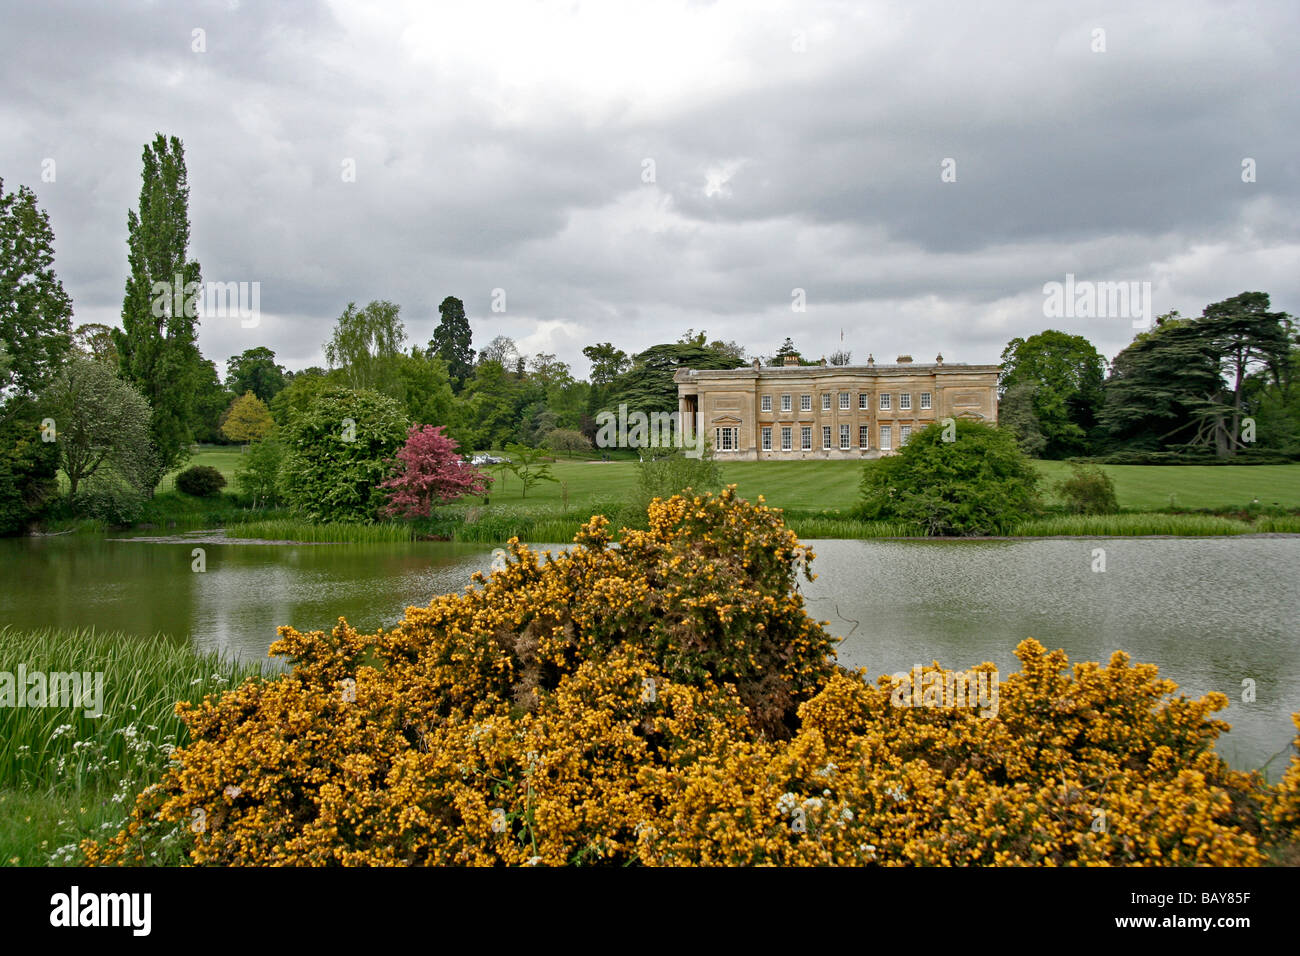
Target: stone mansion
(827, 411)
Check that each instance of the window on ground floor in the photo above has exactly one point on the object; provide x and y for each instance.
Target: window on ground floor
(786, 437)
(904, 433)
(844, 438)
(864, 436)
(805, 438)
(886, 437)
(767, 438)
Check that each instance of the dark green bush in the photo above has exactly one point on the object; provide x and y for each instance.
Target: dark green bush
(107, 497)
(1088, 491)
(257, 473)
(29, 471)
(202, 481)
(963, 478)
(338, 451)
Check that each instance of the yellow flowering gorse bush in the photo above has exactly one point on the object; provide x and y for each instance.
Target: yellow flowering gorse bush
(668, 701)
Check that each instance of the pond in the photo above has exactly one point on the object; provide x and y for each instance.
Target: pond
(1211, 612)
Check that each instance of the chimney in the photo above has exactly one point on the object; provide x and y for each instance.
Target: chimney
(904, 359)
(871, 360)
(790, 360)
(938, 359)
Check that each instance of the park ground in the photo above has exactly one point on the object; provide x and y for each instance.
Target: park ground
(833, 485)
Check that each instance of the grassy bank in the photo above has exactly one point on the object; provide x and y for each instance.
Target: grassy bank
(65, 775)
(817, 496)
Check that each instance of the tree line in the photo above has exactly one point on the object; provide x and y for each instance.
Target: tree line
(117, 409)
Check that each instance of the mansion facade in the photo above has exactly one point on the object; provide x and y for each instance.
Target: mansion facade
(794, 411)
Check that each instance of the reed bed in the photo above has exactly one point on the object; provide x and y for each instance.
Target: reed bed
(288, 529)
(1124, 525)
(61, 747)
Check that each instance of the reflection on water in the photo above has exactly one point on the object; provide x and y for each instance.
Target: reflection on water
(1210, 612)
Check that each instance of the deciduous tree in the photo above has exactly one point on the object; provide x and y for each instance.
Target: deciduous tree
(35, 312)
(430, 471)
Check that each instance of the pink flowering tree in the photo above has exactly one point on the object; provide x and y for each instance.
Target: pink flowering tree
(430, 471)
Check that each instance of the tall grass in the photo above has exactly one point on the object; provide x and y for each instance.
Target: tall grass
(1190, 525)
(851, 528)
(143, 678)
(289, 529)
(66, 776)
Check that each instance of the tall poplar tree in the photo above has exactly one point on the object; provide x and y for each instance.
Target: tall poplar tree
(157, 345)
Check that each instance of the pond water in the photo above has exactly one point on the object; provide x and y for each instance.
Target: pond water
(1210, 612)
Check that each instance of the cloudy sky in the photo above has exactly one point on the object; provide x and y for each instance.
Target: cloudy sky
(625, 171)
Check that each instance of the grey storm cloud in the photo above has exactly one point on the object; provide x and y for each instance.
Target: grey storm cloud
(794, 146)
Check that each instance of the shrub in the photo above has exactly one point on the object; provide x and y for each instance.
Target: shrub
(109, 498)
(429, 472)
(668, 701)
(964, 478)
(29, 470)
(1088, 491)
(202, 481)
(338, 452)
(671, 473)
(258, 473)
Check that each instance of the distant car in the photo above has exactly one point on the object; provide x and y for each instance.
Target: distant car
(488, 460)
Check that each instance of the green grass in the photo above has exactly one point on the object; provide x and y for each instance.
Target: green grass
(290, 529)
(817, 494)
(224, 458)
(1187, 525)
(63, 774)
(1226, 487)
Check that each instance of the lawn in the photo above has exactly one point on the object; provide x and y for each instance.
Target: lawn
(221, 457)
(833, 485)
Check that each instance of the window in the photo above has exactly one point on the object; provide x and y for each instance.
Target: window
(785, 403)
(862, 399)
(805, 403)
(905, 400)
(805, 438)
(826, 437)
(886, 438)
(767, 403)
(844, 401)
(844, 438)
(727, 439)
(904, 433)
(767, 435)
(785, 438)
(864, 436)
(884, 402)
(925, 399)
(826, 401)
